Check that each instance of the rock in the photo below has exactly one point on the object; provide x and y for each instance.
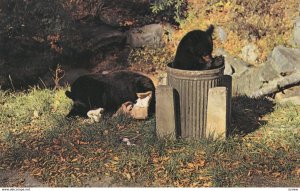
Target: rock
(246, 83)
(287, 93)
(266, 72)
(165, 112)
(222, 34)
(99, 37)
(31, 60)
(116, 19)
(290, 95)
(20, 71)
(148, 35)
(250, 53)
(217, 116)
(290, 100)
(286, 60)
(229, 70)
(232, 65)
(239, 66)
(296, 32)
(277, 85)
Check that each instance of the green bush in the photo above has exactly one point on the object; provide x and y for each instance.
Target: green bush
(175, 8)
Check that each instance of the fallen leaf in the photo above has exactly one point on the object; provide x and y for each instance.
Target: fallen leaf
(208, 184)
(202, 163)
(128, 176)
(74, 160)
(34, 160)
(276, 174)
(190, 165)
(56, 141)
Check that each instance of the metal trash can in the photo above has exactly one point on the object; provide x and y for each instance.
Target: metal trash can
(192, 88)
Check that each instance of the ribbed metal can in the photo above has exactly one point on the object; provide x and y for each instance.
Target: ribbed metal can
(191, 100)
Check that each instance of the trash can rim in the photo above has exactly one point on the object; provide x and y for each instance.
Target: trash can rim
(218, 71)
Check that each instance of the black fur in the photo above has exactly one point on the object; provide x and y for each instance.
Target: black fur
(108, 91)
(194, 51)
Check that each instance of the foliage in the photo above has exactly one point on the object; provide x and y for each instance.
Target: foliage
(31, 20)
(149, 59)
(265, 23)
(170, 7)
(30, 32)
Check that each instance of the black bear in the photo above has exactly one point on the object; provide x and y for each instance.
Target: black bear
(108, 91)
(194, 51)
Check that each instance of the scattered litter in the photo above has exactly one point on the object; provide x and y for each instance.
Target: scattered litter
(95, 115)
(127, 141)
(124, 109)
(139, 110)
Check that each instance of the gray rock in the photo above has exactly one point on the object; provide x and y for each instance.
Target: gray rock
(228, 69)
(287, 93)
(37, 58)
(232, 65)
(239, 66)
(286, 60)
(222, 34)
(95, 38)
(296, 32)
(246, 83)
(149, 35)
(276, 85)
(292, 100)
(267, 72)
(18, 72)
(250, 53)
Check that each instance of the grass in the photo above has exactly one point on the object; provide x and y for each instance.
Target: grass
(36, 137)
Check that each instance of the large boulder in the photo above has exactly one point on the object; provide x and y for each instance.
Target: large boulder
(148, 35)
(25, 63)
(296, 32)
(286, 60)
(250, 53)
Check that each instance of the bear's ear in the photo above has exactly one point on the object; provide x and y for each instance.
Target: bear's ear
(69, 94)
(210, 30)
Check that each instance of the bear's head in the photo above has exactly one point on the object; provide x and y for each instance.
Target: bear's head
(204, 46)
(79, 108)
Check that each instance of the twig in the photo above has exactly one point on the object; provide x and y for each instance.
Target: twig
(43, 83)
(11, 82)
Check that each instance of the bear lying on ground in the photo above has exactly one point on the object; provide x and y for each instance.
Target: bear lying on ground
(108, 91)
(194, 51)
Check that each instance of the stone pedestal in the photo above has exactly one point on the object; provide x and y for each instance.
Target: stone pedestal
(217, 113)
(165, 112)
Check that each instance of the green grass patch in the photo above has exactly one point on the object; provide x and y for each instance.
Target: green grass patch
(37, 138)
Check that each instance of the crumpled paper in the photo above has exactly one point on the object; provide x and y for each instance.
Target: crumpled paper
(95, 115)
(139, 110)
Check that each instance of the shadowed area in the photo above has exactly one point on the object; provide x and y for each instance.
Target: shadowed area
(247, 114)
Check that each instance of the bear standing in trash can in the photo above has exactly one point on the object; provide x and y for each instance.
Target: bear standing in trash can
(194, 51)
